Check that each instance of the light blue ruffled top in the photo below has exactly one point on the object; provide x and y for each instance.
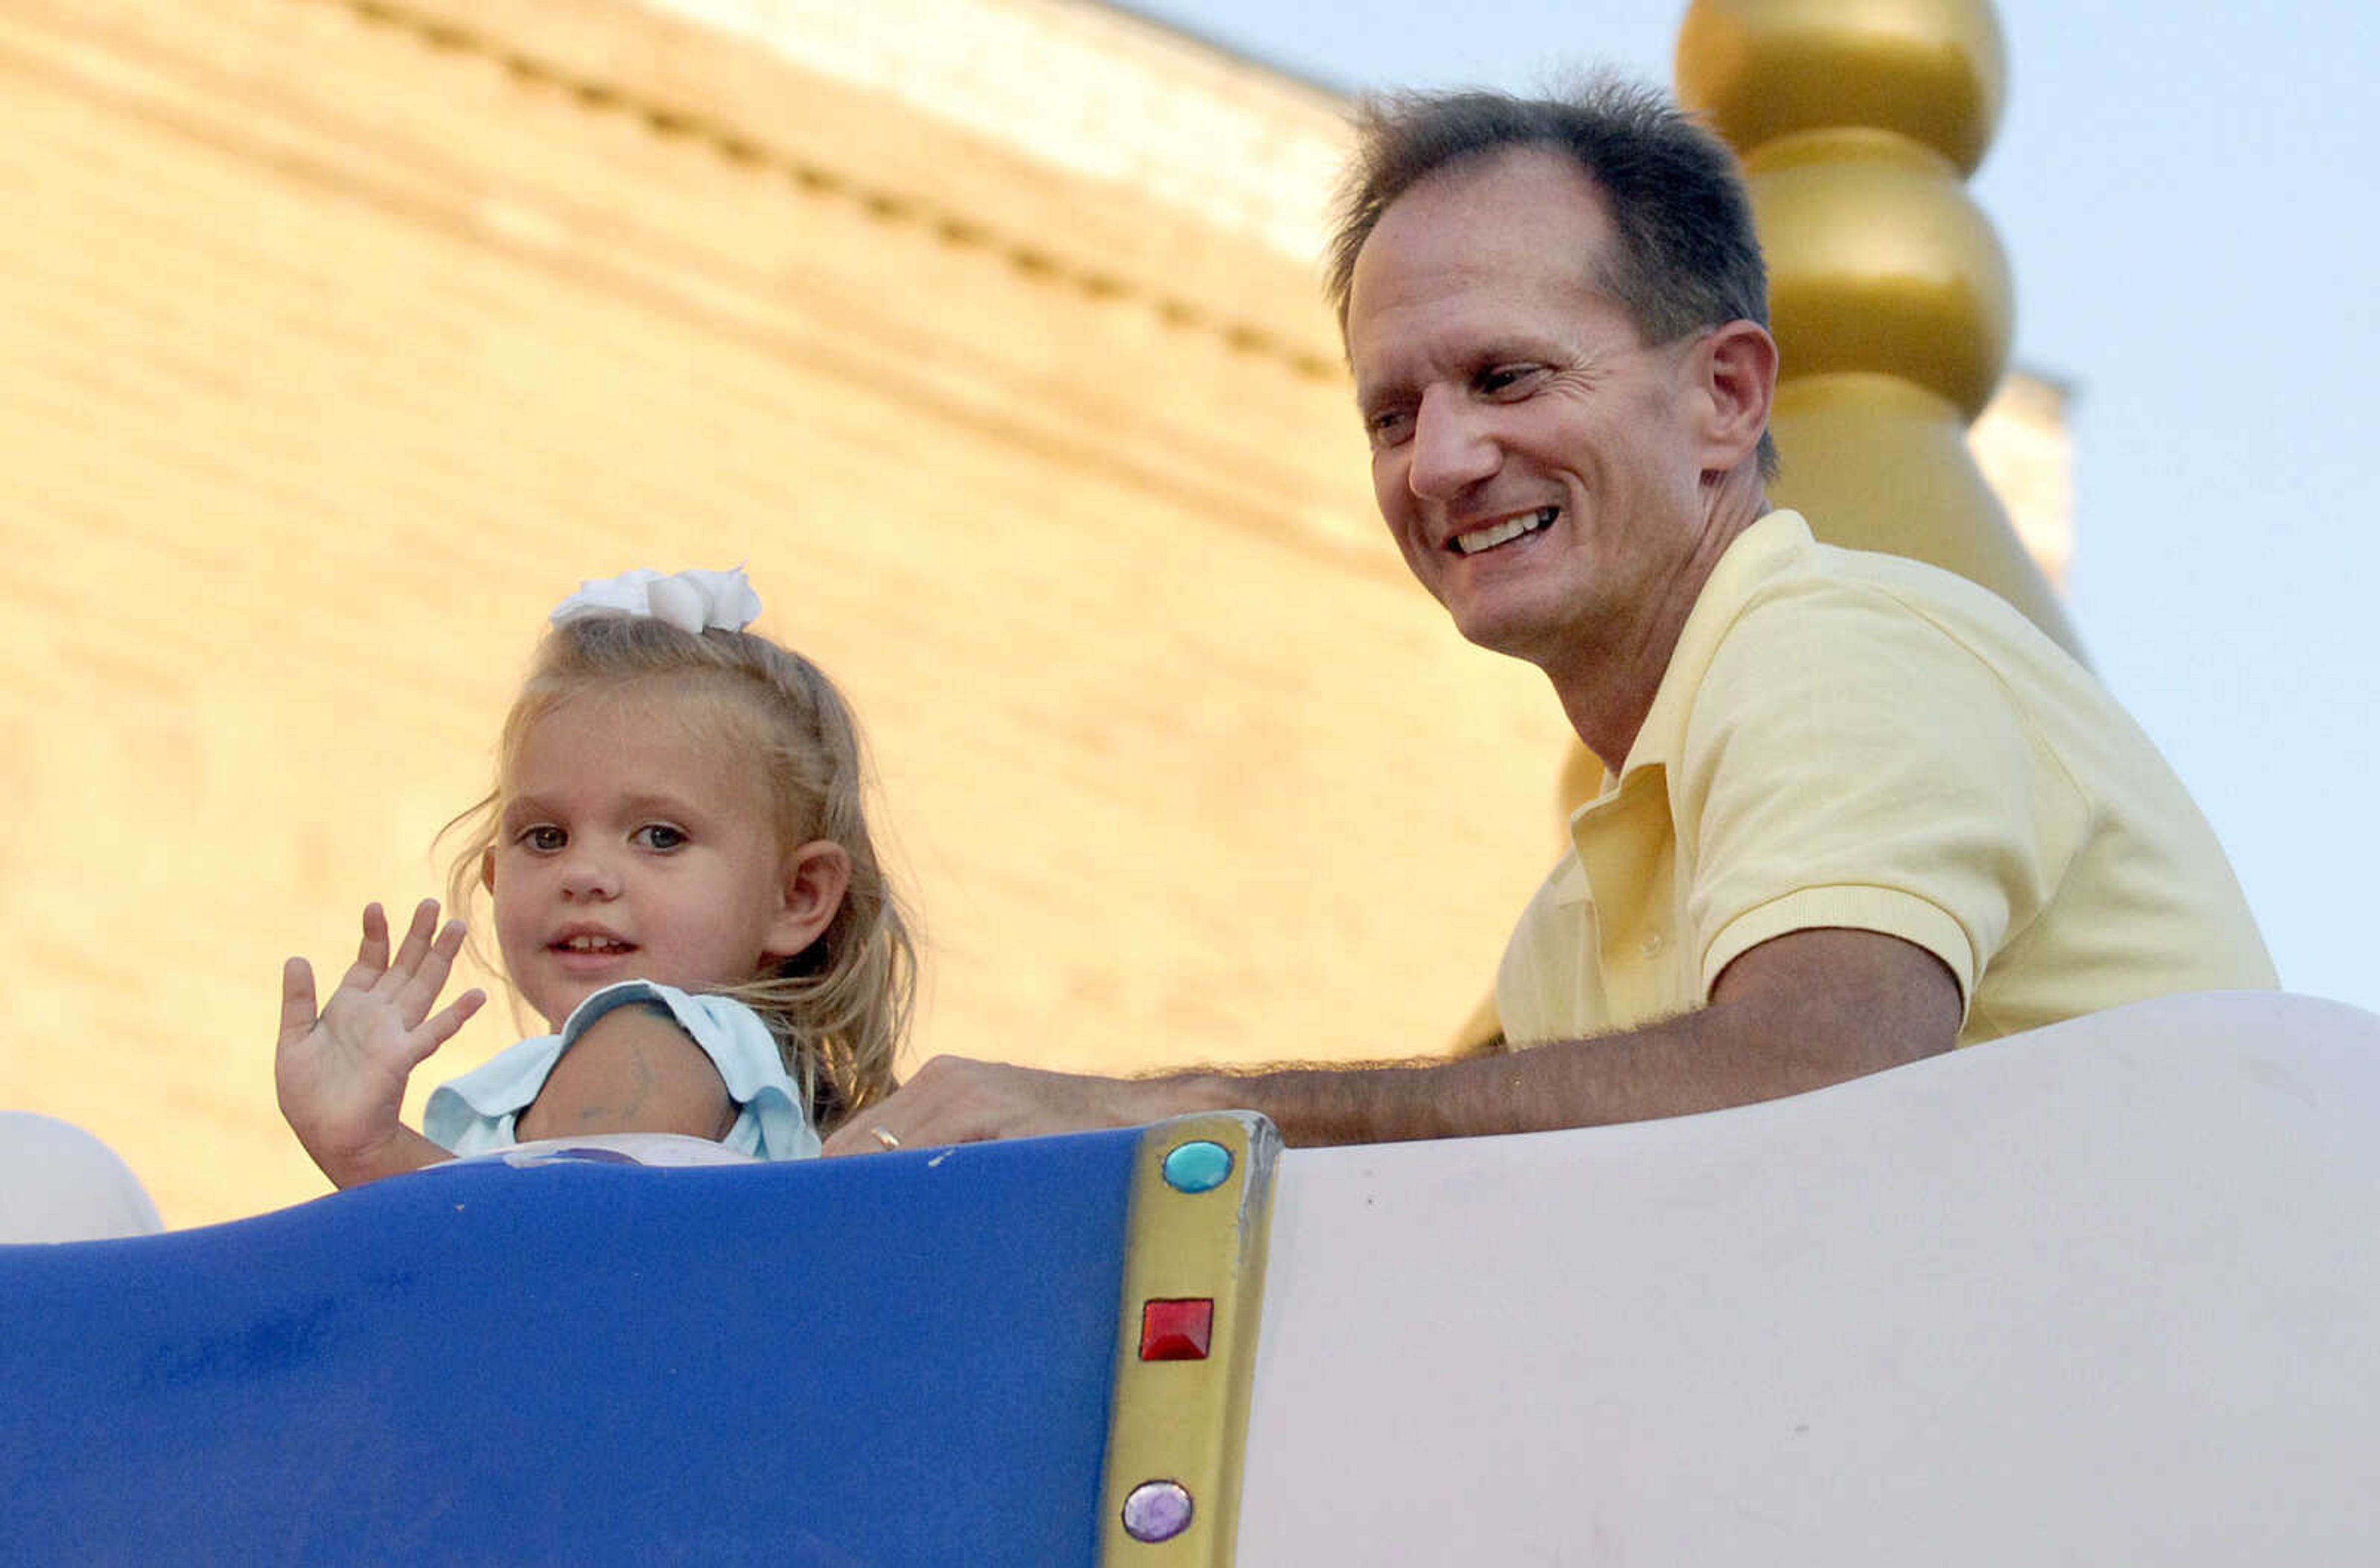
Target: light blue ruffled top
(477, 1111)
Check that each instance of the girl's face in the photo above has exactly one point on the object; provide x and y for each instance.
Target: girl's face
(638, 842)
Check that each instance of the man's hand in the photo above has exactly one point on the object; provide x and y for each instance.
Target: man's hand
(953, 1099)
(341, 1073)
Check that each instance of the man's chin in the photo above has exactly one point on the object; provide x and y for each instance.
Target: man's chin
(1511, 636)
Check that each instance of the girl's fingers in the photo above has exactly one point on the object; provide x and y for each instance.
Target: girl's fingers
(449, 945)
(298, 1011)
(442, 1027)
(417, 935)
(443, 953)
(419, 992)
(373, 949)
(402, 987)
(372, 953)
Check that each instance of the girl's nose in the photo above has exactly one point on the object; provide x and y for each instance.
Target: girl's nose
(590, 876)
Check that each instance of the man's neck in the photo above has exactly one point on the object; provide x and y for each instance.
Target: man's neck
(1607, 694)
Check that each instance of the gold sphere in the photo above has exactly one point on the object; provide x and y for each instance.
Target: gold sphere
(1878, 260)
(1933, 70)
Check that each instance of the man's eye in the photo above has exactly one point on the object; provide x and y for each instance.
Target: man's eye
(544, 838)
(657, 836)
(1388, 426)
(1504, 378)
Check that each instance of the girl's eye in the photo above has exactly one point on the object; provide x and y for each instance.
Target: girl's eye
(544, 838)
(657, 836)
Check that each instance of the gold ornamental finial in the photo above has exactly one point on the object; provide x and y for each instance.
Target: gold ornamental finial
(1889, 292)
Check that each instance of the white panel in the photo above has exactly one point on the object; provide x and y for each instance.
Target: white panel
(2101, 1294)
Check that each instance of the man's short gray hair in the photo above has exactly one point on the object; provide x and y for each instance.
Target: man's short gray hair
(1687, 257)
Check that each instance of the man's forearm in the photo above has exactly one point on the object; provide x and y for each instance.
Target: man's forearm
(1699, 1062)
(1797, 1012)
(1813, 1009)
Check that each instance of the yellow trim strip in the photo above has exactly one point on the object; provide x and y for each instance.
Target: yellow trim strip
(1186, 1422)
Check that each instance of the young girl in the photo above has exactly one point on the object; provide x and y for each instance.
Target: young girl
(684, 889)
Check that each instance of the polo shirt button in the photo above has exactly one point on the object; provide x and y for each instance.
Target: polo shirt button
(1651, 945)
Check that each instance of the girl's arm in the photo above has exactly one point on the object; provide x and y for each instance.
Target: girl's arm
(632, 1070)
(341, 1073)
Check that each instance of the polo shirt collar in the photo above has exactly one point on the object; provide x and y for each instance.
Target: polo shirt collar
(1743, 568)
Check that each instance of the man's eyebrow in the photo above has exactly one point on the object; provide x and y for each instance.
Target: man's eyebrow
(1370, 393)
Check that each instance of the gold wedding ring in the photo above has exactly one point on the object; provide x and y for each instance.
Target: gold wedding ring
(884, 1138)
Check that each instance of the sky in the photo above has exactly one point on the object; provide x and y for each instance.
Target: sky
(2185, 194)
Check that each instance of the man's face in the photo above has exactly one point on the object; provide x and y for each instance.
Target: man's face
(1538, 463)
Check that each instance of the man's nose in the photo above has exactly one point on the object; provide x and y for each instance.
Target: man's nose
(1453, 447)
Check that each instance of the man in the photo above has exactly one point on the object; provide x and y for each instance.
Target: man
(1855, 810)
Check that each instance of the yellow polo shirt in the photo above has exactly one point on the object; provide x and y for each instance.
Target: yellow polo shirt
(1858, 740)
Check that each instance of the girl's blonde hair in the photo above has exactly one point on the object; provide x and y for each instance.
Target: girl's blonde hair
(839, 1009)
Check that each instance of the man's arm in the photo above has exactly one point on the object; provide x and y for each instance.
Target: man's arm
(1799, 1012)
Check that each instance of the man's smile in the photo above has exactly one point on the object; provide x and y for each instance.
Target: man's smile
(1493, 534)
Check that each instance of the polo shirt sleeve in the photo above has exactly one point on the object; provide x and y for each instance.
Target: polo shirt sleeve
(1848, 762)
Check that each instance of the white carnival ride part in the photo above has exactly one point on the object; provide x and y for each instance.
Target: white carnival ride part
(2106, 1292)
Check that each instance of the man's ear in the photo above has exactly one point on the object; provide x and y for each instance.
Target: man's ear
(816, 877)
(1735, 367)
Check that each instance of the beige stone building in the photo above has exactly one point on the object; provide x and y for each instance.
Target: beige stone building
(338, 338)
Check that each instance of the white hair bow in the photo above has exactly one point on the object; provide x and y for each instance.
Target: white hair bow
(690, 600)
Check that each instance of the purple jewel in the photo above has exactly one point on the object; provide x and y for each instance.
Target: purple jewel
(1157, 1511)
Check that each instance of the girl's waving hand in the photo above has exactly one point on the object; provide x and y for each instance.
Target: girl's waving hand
(341, 1073)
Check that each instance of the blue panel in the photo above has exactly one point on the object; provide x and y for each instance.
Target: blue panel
(900, 1359)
